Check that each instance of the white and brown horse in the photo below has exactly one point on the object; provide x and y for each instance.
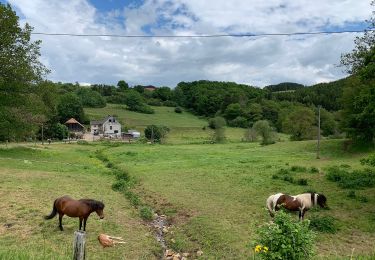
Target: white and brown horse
(301, 202)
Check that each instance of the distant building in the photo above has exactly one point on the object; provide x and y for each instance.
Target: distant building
(150, 88)
(109, 126)
(74, 126)
(134, 133)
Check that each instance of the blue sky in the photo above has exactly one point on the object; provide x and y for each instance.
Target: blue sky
(255, 61)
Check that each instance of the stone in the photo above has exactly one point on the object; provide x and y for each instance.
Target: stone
(176, 257)
(165, 230)
(185, 254)
(199, 252)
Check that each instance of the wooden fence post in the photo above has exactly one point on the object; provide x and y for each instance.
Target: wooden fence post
(79, 245)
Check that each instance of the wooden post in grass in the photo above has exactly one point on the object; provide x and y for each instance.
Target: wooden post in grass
(318, 146)
(79, 245)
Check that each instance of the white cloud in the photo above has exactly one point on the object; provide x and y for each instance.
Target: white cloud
(167, 61)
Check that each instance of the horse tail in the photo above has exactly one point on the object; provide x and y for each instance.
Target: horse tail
(269, 205)
(53, 213)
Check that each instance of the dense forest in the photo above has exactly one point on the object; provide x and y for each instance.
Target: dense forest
(29, 103)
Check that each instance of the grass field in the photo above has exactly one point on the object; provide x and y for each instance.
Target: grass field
(213, 194)
(184, 127)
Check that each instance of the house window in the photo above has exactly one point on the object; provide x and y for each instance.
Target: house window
(113, 120)
(110, 120)
(116, 131)
(110, 127)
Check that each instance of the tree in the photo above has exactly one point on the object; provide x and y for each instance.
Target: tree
(21, 109)
(122, 85)
(218, 125)
(70, 106)
(299, 123)
(90, 98)
(359, 97)
(156, 133)
(263, 128)
(232, 111)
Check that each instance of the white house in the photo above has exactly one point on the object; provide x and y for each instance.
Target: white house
(109, 126)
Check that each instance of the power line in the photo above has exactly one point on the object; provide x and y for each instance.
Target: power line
(203, 35)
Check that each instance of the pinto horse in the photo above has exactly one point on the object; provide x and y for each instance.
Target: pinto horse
(76, 209)
(301, 202)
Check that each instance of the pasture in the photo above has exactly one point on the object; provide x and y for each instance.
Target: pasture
(213, 194)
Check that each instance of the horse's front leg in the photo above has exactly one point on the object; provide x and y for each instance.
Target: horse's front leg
(84, 223)
(80, 222)
(300, 217)
(60, 222)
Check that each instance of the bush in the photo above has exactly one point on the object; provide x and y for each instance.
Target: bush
(120, 185)
(216, 122)
(146, 213)
(145, 109)
(297, 168)
(351, 194)
(302, 182)
(351, 179)
(178, 110)
(267, 133)
(370, 161)
(169, 103)
(156, 133)
(83, 142)
(154, 102)
(324, 224)
(285, 238)
(239, 121)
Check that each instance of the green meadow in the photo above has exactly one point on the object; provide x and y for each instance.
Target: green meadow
(213, 194)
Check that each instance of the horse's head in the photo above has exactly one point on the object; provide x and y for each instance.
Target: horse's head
(322, 201)
(99, 209)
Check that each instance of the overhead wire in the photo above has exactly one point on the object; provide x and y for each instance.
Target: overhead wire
(204, 35)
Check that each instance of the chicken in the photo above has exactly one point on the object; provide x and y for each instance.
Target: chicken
(108, 241)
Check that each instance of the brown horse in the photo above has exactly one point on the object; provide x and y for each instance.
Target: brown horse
(76, 209)
(301, 202)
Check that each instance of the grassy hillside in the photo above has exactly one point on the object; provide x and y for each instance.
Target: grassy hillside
(213, 194)
(185, 127)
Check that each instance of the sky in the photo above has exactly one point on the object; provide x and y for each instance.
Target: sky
(256, 61)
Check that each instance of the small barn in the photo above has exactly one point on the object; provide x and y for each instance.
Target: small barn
(74, 126)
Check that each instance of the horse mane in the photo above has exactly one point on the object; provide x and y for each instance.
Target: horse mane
(94, 204)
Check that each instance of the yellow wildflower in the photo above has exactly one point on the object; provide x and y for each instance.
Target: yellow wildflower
(265, 249)
(258, 248)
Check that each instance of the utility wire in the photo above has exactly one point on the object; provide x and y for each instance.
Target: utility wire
(203, 35)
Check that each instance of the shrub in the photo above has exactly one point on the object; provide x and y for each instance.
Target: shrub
(122, 175)
(267, 133)
(324, 224)
(133, 198)
(250, 135)
(178, 110)
(239, 121)
(146, 213)
(351, 179)
(216, 122)
(351, 194)
(154, 102)
(110, 165)
(363, 199)
(156, 133)
(285, 238)
(83, 142)
(302, 182)
(120, 185)
(297, 168)
(169, 103)
(370, 161)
